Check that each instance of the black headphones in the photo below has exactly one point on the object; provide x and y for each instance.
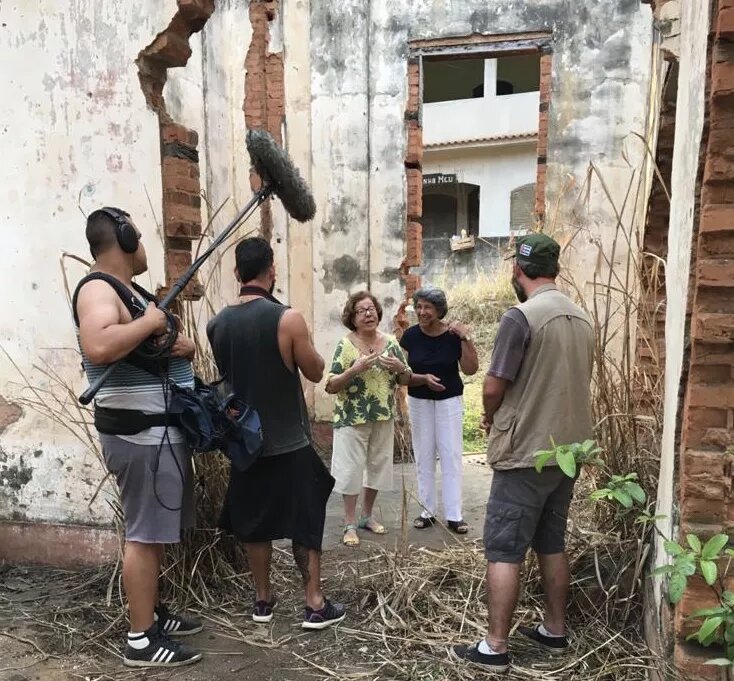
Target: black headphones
(127, 237)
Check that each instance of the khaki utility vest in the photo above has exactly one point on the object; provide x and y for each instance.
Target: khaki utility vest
(551, 396)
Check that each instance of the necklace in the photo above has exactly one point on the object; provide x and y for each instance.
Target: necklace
(362, 346)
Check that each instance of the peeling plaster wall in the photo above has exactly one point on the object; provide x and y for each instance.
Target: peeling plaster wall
(601, 72)
(75, 133)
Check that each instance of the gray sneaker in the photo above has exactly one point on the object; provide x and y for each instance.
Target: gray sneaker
(331, 613)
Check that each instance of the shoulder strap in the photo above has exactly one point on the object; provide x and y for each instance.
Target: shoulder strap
(134, 307)
(128, 299)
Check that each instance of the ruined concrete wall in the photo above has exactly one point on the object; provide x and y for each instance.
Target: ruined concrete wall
(77, 133)
(599, 82)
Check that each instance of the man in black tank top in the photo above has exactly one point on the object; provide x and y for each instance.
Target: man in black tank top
(261, 347)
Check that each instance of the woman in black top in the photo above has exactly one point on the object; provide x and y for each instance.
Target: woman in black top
(439, 348)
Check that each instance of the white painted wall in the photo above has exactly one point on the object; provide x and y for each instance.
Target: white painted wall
(75, 133)
(481, 118)
(497, 170)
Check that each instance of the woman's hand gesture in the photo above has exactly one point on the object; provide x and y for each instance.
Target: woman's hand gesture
(459, 329)
(391, 363)
(363, 362)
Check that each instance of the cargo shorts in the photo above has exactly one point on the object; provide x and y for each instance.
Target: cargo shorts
(525, 509)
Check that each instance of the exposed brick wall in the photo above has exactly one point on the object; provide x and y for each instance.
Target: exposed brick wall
(546, 66)
(414, 179)
(178, 145)
(651, 329)
(707, 502)
(10, 413)
(264, 104)
(181, 202)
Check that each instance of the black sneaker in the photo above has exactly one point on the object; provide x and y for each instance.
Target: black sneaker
(173, 624)
(331, 613)
(553, 644)
(161, 651)
(262, 611)
(498, 662)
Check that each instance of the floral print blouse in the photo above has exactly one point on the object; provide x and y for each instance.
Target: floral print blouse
(371, 395)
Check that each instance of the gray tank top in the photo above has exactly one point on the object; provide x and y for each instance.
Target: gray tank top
(244, 340)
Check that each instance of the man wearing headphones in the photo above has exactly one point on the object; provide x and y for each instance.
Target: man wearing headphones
(148, 457)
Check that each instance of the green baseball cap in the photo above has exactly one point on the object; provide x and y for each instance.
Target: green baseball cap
(537, 249)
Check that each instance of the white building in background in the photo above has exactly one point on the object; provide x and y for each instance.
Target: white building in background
(480, 127)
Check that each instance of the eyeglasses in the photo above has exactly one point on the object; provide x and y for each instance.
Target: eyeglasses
(360, 311)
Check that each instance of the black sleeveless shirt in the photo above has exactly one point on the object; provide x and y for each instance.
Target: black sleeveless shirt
(244, 340)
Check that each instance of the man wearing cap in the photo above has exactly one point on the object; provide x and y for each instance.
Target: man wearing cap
(538, 387)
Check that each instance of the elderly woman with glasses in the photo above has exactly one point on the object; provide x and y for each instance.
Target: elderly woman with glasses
(366, 368)
(436, 418)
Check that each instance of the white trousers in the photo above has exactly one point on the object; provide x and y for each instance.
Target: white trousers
(437, 428)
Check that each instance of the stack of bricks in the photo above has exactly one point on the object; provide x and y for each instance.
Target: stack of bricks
(264, 104)
(707, 499)
(181, 202)
(414, 177)
(546, 63)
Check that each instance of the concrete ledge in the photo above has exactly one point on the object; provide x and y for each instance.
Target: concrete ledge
(65, 546)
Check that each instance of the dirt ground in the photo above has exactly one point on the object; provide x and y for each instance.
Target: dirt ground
(55, 626)
(409, 595)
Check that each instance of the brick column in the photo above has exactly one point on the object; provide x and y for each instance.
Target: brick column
(264, 104)
(546, 64)
(414, 179)
(707, 502)
(181, 202)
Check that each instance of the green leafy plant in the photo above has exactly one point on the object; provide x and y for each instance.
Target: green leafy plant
(569, 457)
(623, 489)
(695, 557)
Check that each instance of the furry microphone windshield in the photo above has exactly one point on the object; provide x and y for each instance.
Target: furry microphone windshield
(276, 169)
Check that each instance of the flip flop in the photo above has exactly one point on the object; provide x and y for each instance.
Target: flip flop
(377, 529)
(352, 540)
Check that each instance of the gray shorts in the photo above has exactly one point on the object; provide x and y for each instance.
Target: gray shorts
(526, 508)
(157, 504)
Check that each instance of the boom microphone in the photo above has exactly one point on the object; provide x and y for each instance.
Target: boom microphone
(276, 169)
(280, 177)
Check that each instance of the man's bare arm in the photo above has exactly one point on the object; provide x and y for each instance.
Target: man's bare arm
(305, 356)
(493, 393)
(104, 337)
